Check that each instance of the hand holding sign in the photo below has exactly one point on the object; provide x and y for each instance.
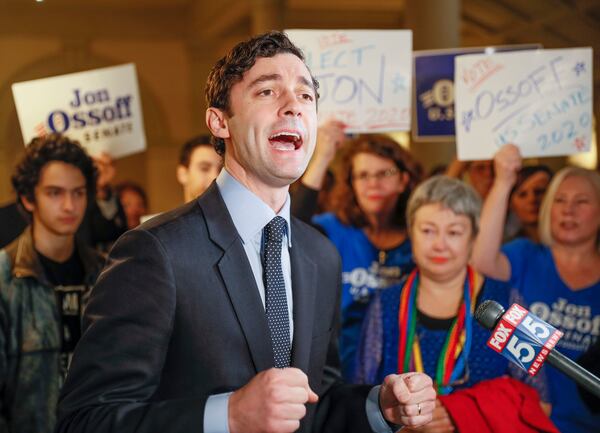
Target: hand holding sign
(507, 163)
(106, 173)
(330, 137)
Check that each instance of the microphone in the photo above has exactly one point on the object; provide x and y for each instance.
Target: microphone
(526, 340)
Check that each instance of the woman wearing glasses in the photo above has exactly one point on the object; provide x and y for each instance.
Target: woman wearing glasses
(368, 228)
(425, 323)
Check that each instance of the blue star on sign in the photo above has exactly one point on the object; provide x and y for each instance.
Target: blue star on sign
(399, 83)
(579, 68)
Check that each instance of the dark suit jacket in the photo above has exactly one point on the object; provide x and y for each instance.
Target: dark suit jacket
(176, 317)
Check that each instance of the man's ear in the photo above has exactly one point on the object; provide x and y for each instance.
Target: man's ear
(27, 204)
(182, 174)
(216, 120)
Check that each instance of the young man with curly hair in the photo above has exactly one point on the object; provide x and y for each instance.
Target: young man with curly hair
(45, 277)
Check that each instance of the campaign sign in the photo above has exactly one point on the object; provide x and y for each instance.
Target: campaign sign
(364, 76)
(524, 339)
(99, 108)
(434, 89)
(539, 100)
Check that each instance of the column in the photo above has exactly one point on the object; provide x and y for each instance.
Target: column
(435, 25)
(267, 15)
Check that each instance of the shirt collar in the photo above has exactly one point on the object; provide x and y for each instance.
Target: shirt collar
(239, 199)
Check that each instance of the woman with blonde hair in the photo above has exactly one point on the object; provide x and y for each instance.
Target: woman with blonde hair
(557, 279)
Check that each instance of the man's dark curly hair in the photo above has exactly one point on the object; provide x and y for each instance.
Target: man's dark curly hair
(230, 70)
(42, 150)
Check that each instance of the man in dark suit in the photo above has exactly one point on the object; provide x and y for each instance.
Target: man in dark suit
(194, 327)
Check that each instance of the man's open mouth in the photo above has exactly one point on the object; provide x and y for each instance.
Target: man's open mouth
(286, 140)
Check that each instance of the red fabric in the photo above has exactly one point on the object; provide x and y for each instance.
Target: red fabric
(498, 406)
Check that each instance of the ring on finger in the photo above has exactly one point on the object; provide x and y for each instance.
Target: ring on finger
(418, 408)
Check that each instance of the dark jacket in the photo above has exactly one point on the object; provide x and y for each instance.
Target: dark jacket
(177, 317)
(30, 337)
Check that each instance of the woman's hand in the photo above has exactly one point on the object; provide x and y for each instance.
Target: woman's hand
(507, 163)
(330, 137)
(106, 173)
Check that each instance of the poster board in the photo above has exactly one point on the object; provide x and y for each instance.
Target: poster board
(433, 97)
(365, 76)
(539, 100)
(99, 108)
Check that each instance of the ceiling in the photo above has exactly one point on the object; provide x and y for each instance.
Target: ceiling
(552, 23)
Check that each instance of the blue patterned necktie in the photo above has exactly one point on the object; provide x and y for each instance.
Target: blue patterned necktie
(275, 298)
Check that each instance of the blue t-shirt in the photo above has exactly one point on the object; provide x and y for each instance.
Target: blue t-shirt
(365, 269)
(482, 363)
(574, 312)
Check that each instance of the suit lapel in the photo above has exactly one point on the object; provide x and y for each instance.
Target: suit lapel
(303, 289)
(239, 280)
(243, 293)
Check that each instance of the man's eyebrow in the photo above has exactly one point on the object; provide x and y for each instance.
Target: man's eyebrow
(307, 82)
(62, 188)
(276, 77)
(265, 77)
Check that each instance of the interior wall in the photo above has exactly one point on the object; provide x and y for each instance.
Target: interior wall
(164, 69)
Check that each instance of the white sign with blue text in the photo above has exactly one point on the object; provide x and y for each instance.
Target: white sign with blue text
(364, 76)
(538, 100)
(100, 108)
